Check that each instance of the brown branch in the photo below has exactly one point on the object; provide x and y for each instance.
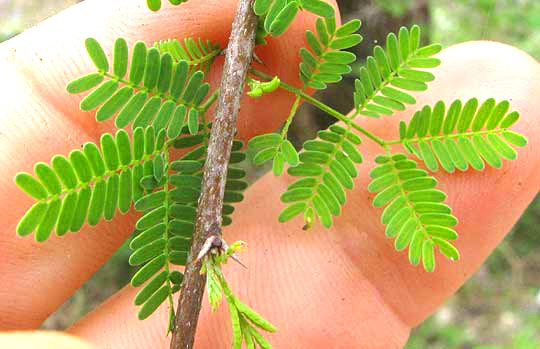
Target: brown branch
(237, 63)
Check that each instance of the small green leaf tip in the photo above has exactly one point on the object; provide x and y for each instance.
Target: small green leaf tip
(154, 5)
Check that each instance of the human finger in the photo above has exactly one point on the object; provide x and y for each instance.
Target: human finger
(42, 340)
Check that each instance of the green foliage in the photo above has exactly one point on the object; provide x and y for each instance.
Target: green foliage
(159, 91)
(465, 134)
(246, 322)
(278, 15)
(415, 214)
(198, 54)
(328, 167)
(89, 185)
(155, 5)
(388, 74)
(166, 229)
(325, 62)
(164, 98)
(272, 146)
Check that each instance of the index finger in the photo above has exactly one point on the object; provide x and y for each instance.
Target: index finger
(39, 119)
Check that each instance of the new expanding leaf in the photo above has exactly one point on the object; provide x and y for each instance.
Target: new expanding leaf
(244, 320)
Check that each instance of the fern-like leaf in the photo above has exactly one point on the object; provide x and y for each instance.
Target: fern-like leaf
(166, 229)
(328, 167)
(325, 62)
(198, 54)
(415, 214)
(465, 134)
(158, 91)
(88, 185)
(389, 74)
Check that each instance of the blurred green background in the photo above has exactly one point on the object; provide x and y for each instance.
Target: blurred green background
(499, 307)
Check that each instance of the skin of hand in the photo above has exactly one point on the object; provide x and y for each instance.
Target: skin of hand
(340, 288)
